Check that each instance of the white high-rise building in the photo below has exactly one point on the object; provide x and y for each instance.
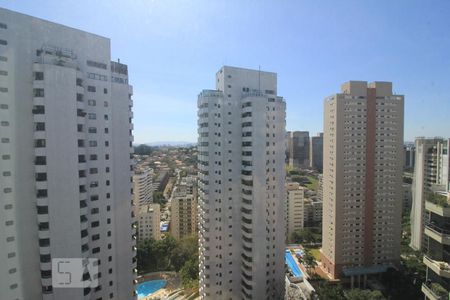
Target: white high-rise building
(142, 187)
(431, 174)
(65, 187)
(241, 127)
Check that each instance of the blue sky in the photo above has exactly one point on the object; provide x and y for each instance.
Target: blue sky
(174, 48)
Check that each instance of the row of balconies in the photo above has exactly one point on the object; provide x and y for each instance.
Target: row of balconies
(434, 291)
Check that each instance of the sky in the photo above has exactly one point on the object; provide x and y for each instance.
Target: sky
(174, 48)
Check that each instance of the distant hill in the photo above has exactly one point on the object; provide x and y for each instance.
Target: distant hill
(170, 143)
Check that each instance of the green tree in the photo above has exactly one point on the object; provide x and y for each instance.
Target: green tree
(304, 235)
(358, 294)
(189, 272)
(143, 149)
(186, 249)
(154, 255)
(158, 197)
(144, 258)
(327, 291)
(308, 260)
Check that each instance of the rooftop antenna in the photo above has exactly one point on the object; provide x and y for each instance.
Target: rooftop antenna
(259, 77)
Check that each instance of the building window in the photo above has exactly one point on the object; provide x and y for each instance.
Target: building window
(41, 160)
(39, 110)
(96, 64)
(39, 143)
(92, 103)
(91, 88)
(41, 176)
(38, 75)
(41, 193)
(92, 116)
(38, 92)
(3, 42)
(39, 126)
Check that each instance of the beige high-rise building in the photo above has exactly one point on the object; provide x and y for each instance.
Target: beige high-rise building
(294, 205)
(149, 218)
(362, 180)
(183, 213)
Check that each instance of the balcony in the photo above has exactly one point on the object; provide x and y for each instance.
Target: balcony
(437, 233)
(434, 291)
(438, 204)
(439, 267)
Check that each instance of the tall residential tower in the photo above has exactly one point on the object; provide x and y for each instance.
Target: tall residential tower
(241, 144)
(316, 152)
(362, 180)
(65, 187)
(431, 174)
(299, 149)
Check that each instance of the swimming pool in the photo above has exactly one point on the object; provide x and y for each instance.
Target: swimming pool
(149, 287)
(292, 264)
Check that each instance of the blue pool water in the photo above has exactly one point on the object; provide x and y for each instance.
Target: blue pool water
(149, 287)
(292, 265)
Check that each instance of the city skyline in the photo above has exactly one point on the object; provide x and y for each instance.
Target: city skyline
(248, 205)
(409, 51)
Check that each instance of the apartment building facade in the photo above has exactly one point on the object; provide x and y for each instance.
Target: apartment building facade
(294, 208)
(183, 212)
(431, 174)
(299, 150)
(362, 180)
(149, 219)
(66, 123)
(437, 246)
(142, 187)
(316, 152)
(241, 153)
